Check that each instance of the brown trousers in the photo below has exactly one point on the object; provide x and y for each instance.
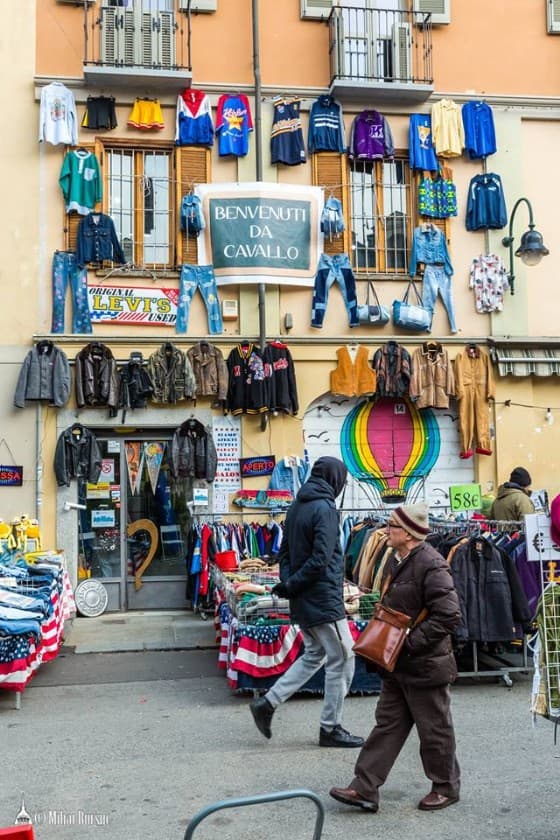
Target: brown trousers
(399, 707)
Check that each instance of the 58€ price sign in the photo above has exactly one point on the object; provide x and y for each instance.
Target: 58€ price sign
(465, 497)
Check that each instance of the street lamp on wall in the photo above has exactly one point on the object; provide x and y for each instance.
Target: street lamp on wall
(532, 248)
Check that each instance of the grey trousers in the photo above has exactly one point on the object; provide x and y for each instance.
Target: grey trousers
(329, 645)
(399, 707)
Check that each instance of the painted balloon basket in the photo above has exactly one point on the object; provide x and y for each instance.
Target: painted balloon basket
(390, 445)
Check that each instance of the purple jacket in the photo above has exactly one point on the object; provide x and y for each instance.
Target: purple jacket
(370, 137)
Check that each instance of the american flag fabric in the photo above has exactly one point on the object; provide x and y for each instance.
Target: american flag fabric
(21, 655)
(260, 650)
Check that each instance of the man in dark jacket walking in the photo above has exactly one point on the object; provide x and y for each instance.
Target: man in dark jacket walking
(311, 575)
(417, 692)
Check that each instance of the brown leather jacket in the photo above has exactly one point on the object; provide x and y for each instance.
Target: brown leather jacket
(423, 579)
(210, 370)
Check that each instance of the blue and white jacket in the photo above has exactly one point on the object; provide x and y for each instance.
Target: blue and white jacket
(326, 126)
(289, 474)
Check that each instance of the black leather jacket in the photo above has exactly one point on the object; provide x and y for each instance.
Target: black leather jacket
(77, 455)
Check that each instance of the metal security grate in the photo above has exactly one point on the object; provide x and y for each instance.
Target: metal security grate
(381, 217)
(141, 205)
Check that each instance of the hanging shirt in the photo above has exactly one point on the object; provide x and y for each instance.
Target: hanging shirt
(437, 197)
(447, 127)
(233, 124)
(194, 125)
(370, 137)
(489, 279)
(480, 135)
(421, 153)
(58, 120)
(486, 207)
(286, 139)
(80, 181)
(326, 126)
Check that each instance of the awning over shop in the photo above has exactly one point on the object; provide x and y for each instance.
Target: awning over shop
(526, 356)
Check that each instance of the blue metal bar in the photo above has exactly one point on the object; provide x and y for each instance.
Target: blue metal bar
(259, 800)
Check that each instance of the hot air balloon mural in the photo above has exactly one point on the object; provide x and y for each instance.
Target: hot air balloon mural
(390, 444)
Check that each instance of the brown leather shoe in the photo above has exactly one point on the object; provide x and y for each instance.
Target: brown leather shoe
(435, 801)
(349, 796)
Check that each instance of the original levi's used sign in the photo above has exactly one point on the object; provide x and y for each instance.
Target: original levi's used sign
(133, 305)
(259, 232)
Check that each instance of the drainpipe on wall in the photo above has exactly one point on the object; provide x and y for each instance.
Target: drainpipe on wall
(39, 465)
(258, 150)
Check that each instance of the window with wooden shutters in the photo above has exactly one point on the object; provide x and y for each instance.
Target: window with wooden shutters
(330, 172)
(192, 164)
(381, 217)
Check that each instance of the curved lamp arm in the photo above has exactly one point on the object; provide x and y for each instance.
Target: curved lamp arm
(507, 241)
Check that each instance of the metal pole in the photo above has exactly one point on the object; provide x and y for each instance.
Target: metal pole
(507, 241)
(258, 150)
(39, 464)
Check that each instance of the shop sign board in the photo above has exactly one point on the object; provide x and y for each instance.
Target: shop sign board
(123, 304)
(261, 232)
(261, 465)
(10, 475)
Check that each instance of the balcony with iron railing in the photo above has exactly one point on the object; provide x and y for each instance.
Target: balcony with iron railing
(383, 53)
(136, 45)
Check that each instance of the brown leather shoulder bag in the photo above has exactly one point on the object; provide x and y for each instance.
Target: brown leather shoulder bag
(382, 640)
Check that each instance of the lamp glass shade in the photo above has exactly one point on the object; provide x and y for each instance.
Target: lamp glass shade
(532, 248)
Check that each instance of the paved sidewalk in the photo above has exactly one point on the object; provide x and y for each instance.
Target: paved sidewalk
(136, 631)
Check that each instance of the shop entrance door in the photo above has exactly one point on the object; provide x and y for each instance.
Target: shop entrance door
(134, 526)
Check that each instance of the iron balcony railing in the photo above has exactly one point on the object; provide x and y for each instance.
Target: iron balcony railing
(137, 36)
(379, 46)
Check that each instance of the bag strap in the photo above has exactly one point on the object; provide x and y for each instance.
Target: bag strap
(421, 615)
(412, 284)
(371, 288)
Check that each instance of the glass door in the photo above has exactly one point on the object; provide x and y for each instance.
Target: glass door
(157, 522)
(133, 529)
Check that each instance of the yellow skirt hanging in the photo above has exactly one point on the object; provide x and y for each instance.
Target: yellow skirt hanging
(146, 114)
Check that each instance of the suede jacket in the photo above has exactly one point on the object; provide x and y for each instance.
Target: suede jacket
(353, 378)
(421, 580)
(209, 369)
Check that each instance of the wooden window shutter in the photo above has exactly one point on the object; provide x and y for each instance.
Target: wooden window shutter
(71, 222)
(330, 171)
(192, 166)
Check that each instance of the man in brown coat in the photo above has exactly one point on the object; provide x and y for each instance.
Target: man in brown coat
(417, 692)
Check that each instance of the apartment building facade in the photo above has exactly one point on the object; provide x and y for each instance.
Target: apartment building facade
(395, 58)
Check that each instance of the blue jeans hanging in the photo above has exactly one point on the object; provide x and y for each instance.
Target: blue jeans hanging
(436, 280)
(330, 269)
(201, 277)
(65, 271)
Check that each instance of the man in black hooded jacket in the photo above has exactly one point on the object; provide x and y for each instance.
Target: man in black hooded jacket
(311, 575)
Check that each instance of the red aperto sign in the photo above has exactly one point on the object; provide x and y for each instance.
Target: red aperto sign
(11, 476)
(261, 465)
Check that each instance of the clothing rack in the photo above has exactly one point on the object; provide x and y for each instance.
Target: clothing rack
(495, 664)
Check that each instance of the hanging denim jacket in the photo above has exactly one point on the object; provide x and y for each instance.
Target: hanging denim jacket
(192, 220)
(332, 218)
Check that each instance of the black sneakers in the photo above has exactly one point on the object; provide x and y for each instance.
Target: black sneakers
(338, 737)
(262, 713)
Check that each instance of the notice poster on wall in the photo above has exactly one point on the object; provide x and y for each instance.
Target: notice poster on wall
(261, 232)
(227, 440)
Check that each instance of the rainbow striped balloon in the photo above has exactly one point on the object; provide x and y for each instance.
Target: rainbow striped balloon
(391, 444)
